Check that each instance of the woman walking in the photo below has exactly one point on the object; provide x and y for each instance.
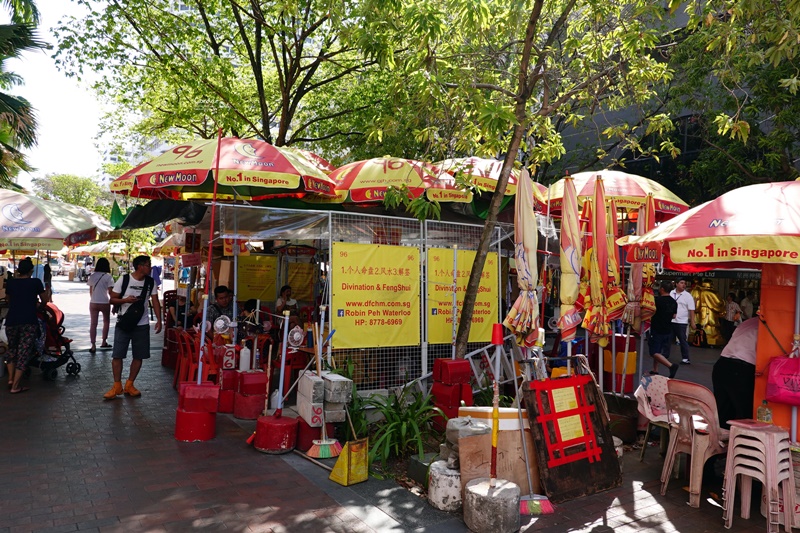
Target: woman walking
(24, 293)
(99, 284)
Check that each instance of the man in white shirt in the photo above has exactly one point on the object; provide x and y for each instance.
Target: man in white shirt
(734, 374)
(684, 317)
(747, 305)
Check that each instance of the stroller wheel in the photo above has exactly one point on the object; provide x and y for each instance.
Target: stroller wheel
(51, 374)
(70, 369)
(77, 368)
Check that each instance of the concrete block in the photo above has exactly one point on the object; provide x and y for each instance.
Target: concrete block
(491, 510)
(338, 389)
(465, 427)
(309, 411)
(444, 488)
(311, 386)
(334, 406)
(334, 416)
(417, 468)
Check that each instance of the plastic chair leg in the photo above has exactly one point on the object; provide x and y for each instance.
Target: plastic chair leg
(644, 444)
(699, 444)
(747, 493)
(669, 461)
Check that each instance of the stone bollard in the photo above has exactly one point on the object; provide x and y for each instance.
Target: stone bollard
(491, 510)
(444, 487)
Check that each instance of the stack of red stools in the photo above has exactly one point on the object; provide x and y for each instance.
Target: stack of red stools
(250, 395)
(450, 387)
(196, 416)
(228, 385)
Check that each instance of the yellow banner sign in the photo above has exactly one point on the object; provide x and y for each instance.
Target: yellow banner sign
(375, 295)
(257, 275)
(440, 295)
(301, 278)
(758, 249)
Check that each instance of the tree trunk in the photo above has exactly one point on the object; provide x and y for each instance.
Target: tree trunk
(465, 320)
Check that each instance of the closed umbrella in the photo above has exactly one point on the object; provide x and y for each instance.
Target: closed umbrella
(522, 318)
(596, 319)
(570, 260)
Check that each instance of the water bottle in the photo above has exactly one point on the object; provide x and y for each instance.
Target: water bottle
(764, 413)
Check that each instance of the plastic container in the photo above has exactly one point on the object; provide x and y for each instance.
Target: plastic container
(764, 413)
(244, 359)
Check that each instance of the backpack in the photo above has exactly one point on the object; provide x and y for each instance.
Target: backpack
(130, 319)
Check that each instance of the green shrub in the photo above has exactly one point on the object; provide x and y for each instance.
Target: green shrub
(406, 427)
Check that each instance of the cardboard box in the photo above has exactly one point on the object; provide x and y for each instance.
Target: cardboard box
(509, 418)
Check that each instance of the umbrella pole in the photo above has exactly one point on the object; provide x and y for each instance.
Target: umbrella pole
(796, 347)
(454, 311)
(613, 357)
(210, 255)
(625, 358)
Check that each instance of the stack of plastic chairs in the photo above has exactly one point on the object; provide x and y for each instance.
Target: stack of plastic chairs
(760, 451)
(652, 404)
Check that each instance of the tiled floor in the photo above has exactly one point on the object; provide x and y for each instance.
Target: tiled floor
(70, 461)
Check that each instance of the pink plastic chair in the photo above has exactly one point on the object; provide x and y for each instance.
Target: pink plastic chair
(695, 430)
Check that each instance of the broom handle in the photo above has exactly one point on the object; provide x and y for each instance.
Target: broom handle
(319, 373)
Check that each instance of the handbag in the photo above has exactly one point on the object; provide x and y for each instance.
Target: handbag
(130, 318)
(783, 380)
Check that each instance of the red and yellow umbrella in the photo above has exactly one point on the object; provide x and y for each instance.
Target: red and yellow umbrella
(615, 296)
(570, 260)
(641, 304)
(248, 169)
(366, 182)
(523, 316)
(317, 160)
(628, 190)
(485, 173)
(741, 229)
(596, 320)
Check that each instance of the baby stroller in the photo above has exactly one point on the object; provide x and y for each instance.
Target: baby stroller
(55, 351)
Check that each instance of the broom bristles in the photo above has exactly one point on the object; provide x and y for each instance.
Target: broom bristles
(535, 505)
(324, 449)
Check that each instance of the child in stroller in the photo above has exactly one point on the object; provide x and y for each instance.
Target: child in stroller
(54, 348)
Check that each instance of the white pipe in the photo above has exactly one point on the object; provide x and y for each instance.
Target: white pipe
(454, 311)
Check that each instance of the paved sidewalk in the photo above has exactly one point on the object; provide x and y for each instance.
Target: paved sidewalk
(72, 462)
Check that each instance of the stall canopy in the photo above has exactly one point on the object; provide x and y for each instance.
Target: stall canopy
(157, 211)
(259, 224)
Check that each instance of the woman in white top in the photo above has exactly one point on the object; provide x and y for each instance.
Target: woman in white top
(100, 282)
(285, 301)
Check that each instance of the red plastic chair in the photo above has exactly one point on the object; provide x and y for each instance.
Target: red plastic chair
(170, 351)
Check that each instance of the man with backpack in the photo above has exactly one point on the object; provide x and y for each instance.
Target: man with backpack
(131, 293)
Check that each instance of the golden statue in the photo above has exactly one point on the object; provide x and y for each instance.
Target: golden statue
(709, 309)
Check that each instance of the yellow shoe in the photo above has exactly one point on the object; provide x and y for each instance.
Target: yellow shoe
(114, 391)
(130, 390)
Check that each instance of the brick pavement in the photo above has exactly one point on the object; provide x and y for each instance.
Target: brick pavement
(72, 462)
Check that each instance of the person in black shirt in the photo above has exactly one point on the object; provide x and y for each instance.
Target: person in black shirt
(24, 295)
(661, 329)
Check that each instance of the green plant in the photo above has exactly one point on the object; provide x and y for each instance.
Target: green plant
(406, 427)
(357, 403)
(484, 395)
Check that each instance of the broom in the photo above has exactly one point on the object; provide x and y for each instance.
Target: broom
(532, 504)
(324, 448)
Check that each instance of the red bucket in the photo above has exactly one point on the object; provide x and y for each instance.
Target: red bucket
(276, 434)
